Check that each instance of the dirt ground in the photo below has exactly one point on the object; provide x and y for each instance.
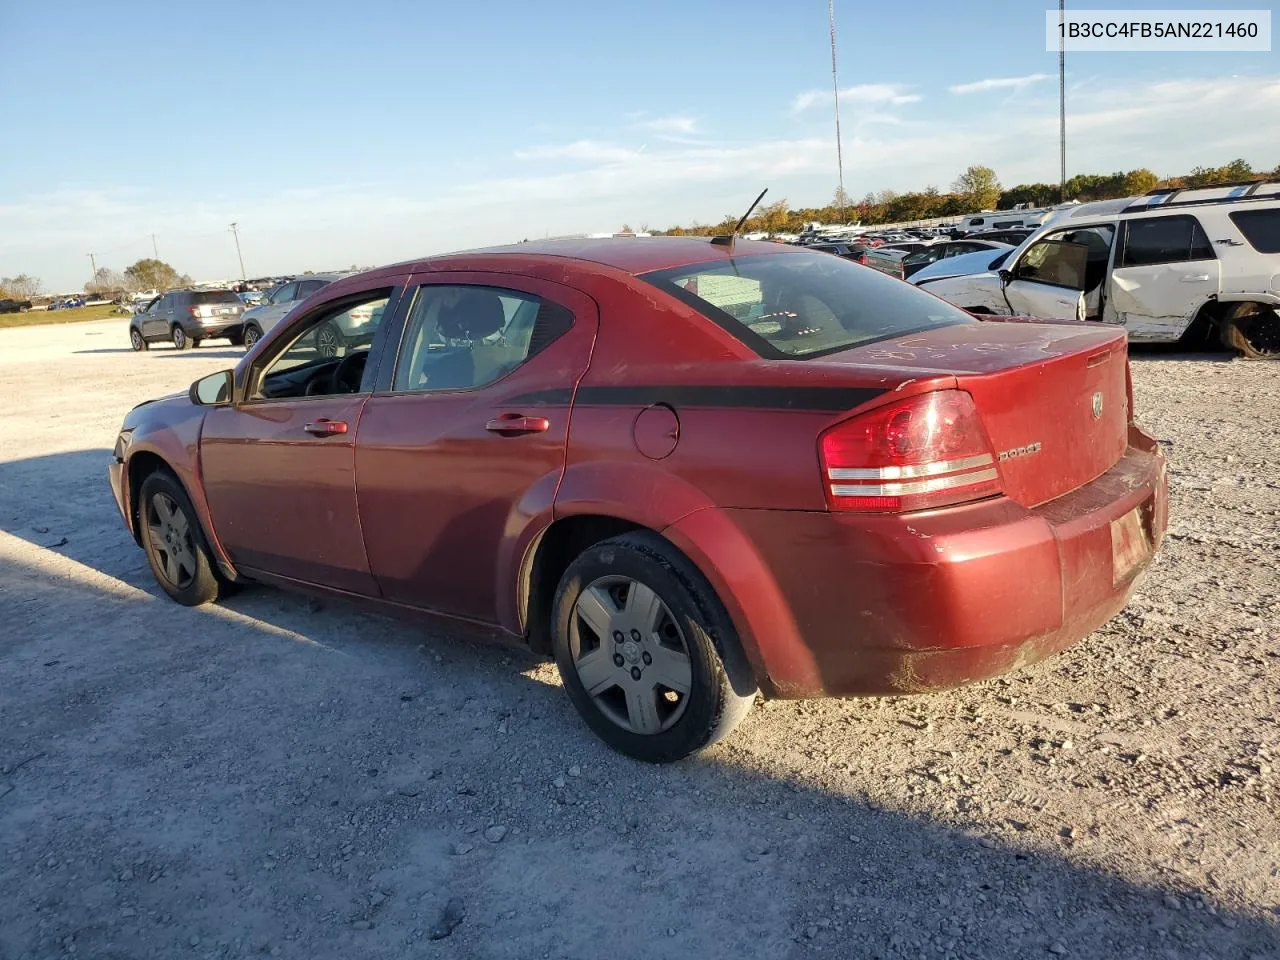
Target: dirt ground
(280, 777)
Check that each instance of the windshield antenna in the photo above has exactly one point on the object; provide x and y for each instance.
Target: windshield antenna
(728, 241)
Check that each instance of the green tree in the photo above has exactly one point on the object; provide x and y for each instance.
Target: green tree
(21, 287)
(1237, 169)
(150, 274)
(1139, 181)
(979, 186)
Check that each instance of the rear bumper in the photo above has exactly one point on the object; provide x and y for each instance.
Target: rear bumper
(213, 327)
(905, 604)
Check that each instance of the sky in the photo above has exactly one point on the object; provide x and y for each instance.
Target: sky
(338, 133)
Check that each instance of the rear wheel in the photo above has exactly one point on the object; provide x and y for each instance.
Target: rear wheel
(136, 340)
(1253, 331)
(176, 549)
(179, 337)
(329, 339)
(251, 336)
(635, 633)
(236, 337)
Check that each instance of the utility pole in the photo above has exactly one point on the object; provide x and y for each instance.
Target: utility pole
(93, 266)
(835, 89)
(154, 251)
(1062, 99)
(235, 234)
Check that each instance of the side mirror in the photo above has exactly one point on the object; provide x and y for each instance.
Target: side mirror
(213, 390)
(1005, 276)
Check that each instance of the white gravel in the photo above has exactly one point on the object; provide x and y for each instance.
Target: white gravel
(281, 777)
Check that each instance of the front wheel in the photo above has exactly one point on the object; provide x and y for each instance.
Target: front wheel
(251, 336)
(635, 634)
(329, 339)
(179, 338)
(136, 339)
(176, 549)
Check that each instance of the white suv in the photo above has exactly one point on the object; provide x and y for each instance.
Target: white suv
(1174, 265)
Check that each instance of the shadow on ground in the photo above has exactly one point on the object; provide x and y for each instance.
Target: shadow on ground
(279, 776)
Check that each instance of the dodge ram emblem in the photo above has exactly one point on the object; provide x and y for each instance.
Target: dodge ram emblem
(1097, 405)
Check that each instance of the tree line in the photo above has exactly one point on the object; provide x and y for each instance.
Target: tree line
(978, 188)
(146, 274)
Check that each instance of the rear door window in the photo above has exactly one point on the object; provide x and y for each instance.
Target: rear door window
(1175, 239)
(802, 304)
(1260, 227)
(285, 294)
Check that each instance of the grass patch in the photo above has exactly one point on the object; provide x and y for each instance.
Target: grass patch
(35, 318)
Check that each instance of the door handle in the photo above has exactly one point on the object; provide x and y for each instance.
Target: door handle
(510, 424)
(326, 428)
(1195, 278)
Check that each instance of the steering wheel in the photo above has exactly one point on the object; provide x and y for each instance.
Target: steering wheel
(346, 376)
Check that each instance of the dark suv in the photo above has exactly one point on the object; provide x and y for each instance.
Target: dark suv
(186, 317)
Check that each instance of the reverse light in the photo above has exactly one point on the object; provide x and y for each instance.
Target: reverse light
(919, 453)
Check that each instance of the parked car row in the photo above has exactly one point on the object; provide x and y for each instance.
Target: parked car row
(1192, 265)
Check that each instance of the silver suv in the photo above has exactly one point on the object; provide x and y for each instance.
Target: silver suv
(283, 298)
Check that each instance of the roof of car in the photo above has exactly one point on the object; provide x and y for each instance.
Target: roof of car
(631, 254)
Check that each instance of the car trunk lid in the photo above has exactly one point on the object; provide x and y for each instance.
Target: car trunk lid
(1052, 397)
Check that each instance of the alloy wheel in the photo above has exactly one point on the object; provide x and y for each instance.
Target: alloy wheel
(630, 654)
(135, 338)
(169, 533)
(327, 341)
(179, 338)
(251, 336)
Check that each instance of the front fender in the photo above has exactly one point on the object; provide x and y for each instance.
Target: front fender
(169, 430)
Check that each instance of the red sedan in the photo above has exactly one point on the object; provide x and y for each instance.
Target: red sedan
(688, 470)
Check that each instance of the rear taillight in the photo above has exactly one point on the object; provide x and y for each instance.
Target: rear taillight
(916, 454)
(862, 258)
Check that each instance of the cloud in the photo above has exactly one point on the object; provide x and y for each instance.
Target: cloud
(867, 93)
(588, 150)
(998, 83)
(678, 125)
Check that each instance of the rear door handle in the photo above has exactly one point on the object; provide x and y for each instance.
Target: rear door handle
(326, 428)
(1195, 278)
(511, 424)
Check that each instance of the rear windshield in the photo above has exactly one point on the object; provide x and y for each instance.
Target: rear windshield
(1260, 227)
(214, 296)
(804, 304)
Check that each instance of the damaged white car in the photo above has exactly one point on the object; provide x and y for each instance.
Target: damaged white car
(1189, 265)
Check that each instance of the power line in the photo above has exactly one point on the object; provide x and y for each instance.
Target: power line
(835, 89)
(235, 234)
(1062, 100)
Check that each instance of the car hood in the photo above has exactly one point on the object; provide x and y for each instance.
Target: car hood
(165, 409)
(961, 266)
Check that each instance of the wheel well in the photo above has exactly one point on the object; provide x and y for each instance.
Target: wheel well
(1202, 331)
(559, 544)
(141, 466)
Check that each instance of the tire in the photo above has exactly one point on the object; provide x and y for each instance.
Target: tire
(329, 339)
(137, 340)
(251, 336)
(1253, 331)
(179, 337)
(678, 612)
(174, 543)
(195, 343)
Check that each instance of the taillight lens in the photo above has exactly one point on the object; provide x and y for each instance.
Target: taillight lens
(862, 258)
(916, 454)
(194, 311)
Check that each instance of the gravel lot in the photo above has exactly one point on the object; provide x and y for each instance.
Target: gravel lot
(281, 777)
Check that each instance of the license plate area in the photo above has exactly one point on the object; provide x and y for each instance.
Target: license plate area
(1130, 545)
